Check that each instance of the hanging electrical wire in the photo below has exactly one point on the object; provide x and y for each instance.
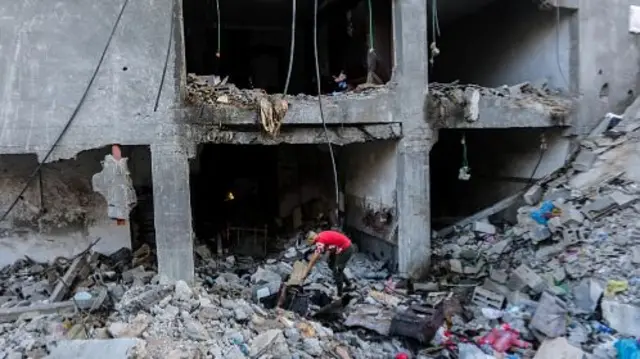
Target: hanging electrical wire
(543, 149)
(74, 114)
(464, 173)
(564, 78)
(292, 48)
(372, 57)
(324, 124)
(272, 111)
(435, 32)
(166, 60)
(219, 27)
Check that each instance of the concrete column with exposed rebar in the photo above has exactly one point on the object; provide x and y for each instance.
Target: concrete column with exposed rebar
(172, 208)
(410, 37)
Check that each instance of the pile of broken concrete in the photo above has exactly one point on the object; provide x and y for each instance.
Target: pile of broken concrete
(563, 279)
(92, 305)
(560, 281)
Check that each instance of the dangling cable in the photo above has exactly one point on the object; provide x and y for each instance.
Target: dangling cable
(371, 37)
(219, 26)
(324, 124)
(464, 172)
(371, 56)
(166, 62)
(293, 47)
(435, 32)
(73, 114)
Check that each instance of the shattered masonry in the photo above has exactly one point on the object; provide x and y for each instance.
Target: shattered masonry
(561, 279)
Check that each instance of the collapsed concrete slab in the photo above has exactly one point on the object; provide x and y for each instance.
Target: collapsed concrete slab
(341, 135)
(471, 106)
(111, 349)
(241, 108)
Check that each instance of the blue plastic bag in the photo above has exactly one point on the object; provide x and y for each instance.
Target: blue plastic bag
(627, 349)
(539, 214)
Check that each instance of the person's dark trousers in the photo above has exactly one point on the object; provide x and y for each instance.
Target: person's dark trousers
(337, 263)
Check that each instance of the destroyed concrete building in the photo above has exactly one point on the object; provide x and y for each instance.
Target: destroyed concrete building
(163, 121)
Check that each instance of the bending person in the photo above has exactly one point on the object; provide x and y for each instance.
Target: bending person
(340, 251)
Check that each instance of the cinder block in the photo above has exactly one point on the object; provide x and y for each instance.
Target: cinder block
(584, 161)
(484, 227)
(527, 276)
(533, 195)
(487, 299)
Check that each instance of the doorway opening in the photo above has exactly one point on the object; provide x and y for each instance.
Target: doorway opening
(502, 162)
(255, 200)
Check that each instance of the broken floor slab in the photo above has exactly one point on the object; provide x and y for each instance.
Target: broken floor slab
(374, 106)
(449, 107)
(340, 135)
(97, 349)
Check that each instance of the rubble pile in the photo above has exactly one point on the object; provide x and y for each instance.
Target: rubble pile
(212, 90)
(561, 282)
(566, 273)
(110, 306)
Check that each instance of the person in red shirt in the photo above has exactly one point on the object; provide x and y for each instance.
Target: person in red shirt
(340, 251)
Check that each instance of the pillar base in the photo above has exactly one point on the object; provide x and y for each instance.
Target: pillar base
(172, 209)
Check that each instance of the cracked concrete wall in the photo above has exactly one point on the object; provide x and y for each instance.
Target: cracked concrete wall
(608, 55)
(65, 216)
(508, 42)
(50, 51)
(370, 175)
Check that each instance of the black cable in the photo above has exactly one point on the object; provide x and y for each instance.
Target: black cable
(40, 184)
(73, 115)
(292, 49)
(535, 169)
(558, 23)
(324, 124)
(166, 62)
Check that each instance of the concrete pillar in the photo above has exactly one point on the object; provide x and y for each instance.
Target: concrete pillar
(172, 210)
(414, 227)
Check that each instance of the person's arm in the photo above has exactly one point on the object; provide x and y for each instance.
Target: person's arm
(314, 259)
(312, 262)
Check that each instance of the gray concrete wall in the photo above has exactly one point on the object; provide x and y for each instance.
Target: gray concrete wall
(505, 43)
(370, 174)
(50, 51)
(608, 54)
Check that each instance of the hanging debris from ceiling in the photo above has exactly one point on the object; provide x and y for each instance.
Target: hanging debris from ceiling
(272, 111)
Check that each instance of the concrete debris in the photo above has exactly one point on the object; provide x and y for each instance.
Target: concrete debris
(110, 307)
(201, 90)
(115, 185)
(560, 281)
(99, 349)
(564, 276)
(450, 103)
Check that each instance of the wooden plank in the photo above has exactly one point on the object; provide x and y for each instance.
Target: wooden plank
(9, 315)
(299, 268)
(69, 277)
